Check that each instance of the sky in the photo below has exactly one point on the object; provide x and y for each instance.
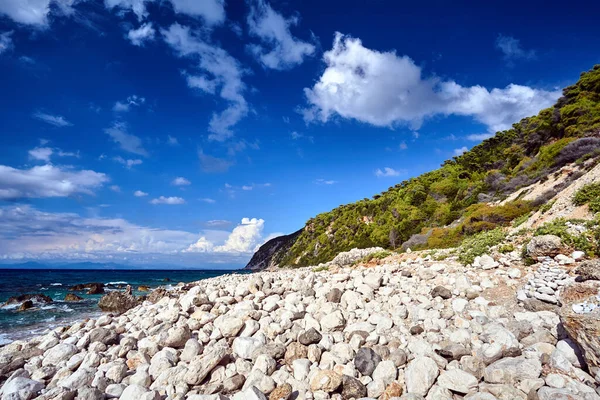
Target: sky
(186, 133)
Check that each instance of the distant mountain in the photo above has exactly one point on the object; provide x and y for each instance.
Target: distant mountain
(443, 207)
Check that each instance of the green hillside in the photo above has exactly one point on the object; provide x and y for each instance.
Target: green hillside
(442, 207)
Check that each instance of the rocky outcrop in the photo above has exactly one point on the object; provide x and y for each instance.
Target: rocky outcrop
(92, 288)
(544, 246)
(270, 254)
(72, 297)
(118, 302)
(36, 298)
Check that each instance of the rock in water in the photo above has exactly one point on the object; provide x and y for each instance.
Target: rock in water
(27, 304)
(72, 297)
(35, 298)
(117, 302)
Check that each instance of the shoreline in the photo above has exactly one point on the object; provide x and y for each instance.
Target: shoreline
(431, 329)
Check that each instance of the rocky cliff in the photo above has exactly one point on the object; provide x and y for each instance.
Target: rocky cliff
(467, 195)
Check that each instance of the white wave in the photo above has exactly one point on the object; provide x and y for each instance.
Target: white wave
(118, 283)
(4, 340)
(11, 306)
(56, 284)
(62, 307)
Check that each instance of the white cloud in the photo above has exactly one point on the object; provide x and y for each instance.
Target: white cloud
(181, 181)
(35, 12)
(139, 193)
(477, 137)
(244, 238)
(47, 181)
(68, 153)
(127, 142)
(218, 223)
(6, 42)
(279, 48)
(115, 188)
(208, 200)
(458, 152)
(321, 181)
(55, 120)
(386, 90)
(124, 106)
(168, 200)
(172, 141)
(220, 74)
(386, 172)
(212, 12)
(212, 164)
(512, 49)
(41, 153)
(253, 186)
(403, 146)
(142, 34)
(202, 245)
(128, 163)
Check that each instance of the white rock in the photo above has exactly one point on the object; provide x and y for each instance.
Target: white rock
(458, 381)
(420, 375)
(21, 388)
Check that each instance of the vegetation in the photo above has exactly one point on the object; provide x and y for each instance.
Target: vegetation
(590, 195)
(577, 234)
(442, 208)
(480, 244)
(379, 255)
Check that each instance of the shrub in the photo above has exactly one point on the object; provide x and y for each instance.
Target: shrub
(321, 268)
(560, 227)
(482, 217)
(443, 238)
(587, 194)
(479, 245)
(506, 248)
(546, 207)
(578, 149)
(521, 220)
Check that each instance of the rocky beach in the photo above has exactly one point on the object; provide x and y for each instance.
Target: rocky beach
(404, 327)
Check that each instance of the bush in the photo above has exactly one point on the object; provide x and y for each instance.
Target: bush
(521, 220)
(578, 149)
(546, 207)
(560, 227)
(481, 217)
(588, 194)
(506, 248)
(443, 238)
(479, 245)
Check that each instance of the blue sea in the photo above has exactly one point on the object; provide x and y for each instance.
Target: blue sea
(55, 284)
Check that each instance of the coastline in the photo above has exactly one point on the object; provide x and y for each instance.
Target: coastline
(412, 325)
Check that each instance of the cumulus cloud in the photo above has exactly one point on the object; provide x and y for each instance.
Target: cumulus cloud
(181, 181)
(35, 12)
(245, 238)
(386, 172)
(127, 163)
(458, 152)
(208, 200)
(6, 42)
(47, 181)
(512, 50)
(124, 106)
(478, 137)
(142, 34)
(212, 12)
(41, 153)
(386, 90)
(279, 49)
(168, 200)
(115, 188)
(127, 142)
(56, 120)
(218, 74)
(139, 193)
(212, 164)
(172, 141)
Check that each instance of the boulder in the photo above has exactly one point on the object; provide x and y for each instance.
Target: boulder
(92, 287)
(72, 297)
(326, 380)
(27, 304)
(544, 246)
(584, 329)
(442, 292)
(589, 270)
(21, 388)
(34, 298)
(117, 302)
(420, 375)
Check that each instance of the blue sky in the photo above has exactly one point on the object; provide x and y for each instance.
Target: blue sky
(186, 133)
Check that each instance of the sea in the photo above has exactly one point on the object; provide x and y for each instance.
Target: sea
(55, 283)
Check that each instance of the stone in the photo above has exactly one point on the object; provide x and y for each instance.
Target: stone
(416, 330)
(72, 297)
(202, 365)
(385, 372)
(21, 388)
(117, 302)
(442, 292)
(229, 326)
(333, 321)
(458, 381)
(544, 246)
(177, 337)
(60, 352)
(366, 360)
(589, 270)
(487, 262)
(295, 351)
(420, 375)
(392, 391)
(246, 347)
(191, 349)
(309, 337)
(334, 295)
(251, 393)
(511, 370)
(326, 380)
(282, 392)
(87, 393)
(353, 388)
(80, 378)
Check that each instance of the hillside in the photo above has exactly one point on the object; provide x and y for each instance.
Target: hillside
(464, 197)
